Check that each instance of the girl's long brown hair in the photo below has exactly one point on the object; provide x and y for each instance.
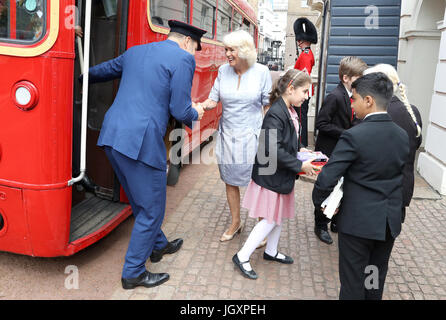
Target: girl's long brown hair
(292, 77)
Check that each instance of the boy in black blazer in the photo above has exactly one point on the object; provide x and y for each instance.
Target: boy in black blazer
(335, 116)
(371, 158)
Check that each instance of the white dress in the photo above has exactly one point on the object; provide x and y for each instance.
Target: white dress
(241, 120)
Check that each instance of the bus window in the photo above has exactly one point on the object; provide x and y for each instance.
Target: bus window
(161, 11)
(204, 16)
(246, 26)
(236, 21)
(28, 24)
(4, 15)
(110, 7)
(224, 19)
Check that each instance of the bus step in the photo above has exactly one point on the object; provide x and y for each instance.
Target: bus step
(104, 193)
(92, 214)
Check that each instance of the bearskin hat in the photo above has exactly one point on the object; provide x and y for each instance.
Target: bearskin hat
(304, 29)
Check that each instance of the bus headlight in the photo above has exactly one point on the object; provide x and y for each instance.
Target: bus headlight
(25, 95)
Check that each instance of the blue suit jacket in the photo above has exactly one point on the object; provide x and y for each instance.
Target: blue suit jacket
(156, 82)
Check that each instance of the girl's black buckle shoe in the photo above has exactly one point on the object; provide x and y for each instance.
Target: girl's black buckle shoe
(248, 274)
(286, 260)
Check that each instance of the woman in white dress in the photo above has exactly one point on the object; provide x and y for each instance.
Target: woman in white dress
(243, 87)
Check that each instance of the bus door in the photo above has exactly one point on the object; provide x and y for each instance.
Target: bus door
(108, 40)
(96, 199)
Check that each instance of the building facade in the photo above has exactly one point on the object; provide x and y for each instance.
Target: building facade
(272, 17)
(280, 9)
(265, 17)
(422, 67)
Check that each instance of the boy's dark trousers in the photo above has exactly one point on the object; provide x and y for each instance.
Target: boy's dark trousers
(302, 112)
(363, 262)
(321, 221)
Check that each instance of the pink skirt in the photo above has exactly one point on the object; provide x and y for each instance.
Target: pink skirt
(268, 204)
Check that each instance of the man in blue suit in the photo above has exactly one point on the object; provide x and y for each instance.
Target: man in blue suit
(156, 82)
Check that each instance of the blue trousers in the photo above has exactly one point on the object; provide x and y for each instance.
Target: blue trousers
(145, 187)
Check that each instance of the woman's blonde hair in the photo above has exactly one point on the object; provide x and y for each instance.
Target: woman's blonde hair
(399, 89)
(244, 43)
(292, 77)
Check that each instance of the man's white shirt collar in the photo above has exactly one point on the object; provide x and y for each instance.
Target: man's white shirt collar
(380, 112)
(348, 92)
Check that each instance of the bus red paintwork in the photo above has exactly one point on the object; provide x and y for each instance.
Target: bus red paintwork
(36, 144)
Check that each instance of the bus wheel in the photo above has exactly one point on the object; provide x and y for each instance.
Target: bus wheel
(173, 174)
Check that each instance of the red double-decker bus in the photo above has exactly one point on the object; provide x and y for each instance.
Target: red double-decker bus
(48, 131)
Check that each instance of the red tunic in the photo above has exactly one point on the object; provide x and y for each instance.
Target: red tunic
(305, 61)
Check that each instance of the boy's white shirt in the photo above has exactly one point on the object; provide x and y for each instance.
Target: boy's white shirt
(379, 112)
(350, 93)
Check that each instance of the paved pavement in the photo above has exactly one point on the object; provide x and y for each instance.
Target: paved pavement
(203, 269)
(197, 211)
(98, 266)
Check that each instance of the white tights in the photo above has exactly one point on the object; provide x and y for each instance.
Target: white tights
(261, 230)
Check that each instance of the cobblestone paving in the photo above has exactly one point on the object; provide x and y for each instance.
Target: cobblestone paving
(203, 269)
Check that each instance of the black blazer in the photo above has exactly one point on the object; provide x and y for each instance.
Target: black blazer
(399, 114)
(276, 164)
(370, 157)
(334, 117)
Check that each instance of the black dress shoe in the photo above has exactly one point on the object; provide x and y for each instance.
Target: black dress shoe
(334, 227)
(89, 185)
(171, 247)
(145, 279)
(323, 235)
(248, 274)
(286, 260)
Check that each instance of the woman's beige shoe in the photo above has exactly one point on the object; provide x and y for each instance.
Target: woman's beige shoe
(262, 244)
(227, 237)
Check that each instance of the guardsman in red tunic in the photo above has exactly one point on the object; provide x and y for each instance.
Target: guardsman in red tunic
(305, 61)
(306, 34)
